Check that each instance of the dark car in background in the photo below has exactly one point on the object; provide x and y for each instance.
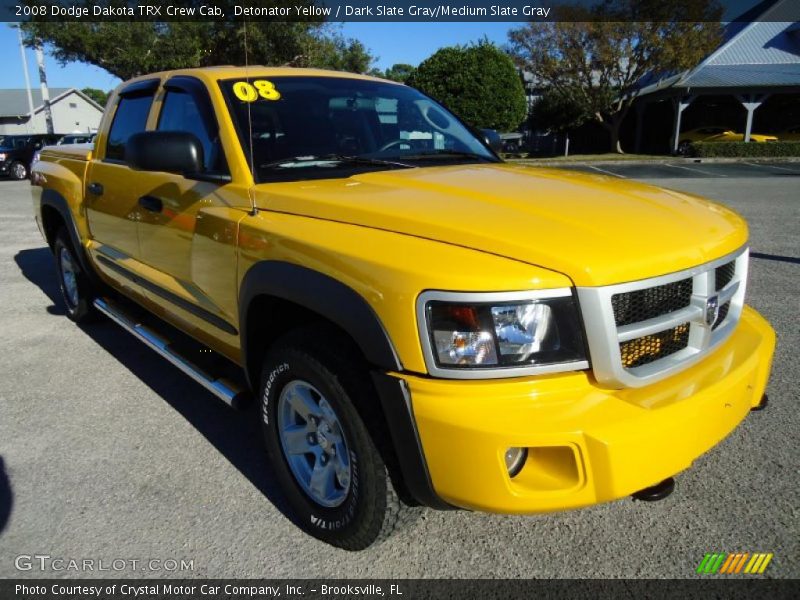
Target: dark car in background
(77, 138)
(16, 152)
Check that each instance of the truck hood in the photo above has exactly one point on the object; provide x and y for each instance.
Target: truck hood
(597, 230)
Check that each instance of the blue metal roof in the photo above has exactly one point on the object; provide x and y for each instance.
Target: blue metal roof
(762, 53)
(783, 75)
(759, 43)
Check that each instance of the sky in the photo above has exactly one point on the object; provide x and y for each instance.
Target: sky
(417, 42)
(414, 42)
(390, 42)
(75, 75)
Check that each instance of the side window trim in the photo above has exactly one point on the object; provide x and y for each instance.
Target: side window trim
(144, 88)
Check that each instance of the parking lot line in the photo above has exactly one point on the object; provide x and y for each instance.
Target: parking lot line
(706, 173)
(771, 166)
(606, 172)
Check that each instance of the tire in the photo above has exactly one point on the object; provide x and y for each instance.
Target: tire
(18, 171)
(317, 373)
(76, 291)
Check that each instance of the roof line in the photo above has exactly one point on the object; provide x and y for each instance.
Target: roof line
(722, 47)
(725, 45)
(64, 94)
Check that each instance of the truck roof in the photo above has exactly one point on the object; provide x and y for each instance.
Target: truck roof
(233, 72)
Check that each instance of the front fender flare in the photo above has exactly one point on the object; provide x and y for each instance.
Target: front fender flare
(346, 308)
(323, 295)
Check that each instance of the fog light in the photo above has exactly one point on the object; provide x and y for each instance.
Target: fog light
(515, 458)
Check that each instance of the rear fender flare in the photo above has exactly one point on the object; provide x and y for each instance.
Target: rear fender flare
(54, 200)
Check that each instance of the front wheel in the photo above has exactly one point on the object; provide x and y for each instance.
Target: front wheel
(75, 287)
(320, 448)
(18, 171)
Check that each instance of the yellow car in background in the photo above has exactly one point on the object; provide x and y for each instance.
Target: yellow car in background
(717, 134)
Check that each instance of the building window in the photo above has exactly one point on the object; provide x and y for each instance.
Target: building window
(73, 105)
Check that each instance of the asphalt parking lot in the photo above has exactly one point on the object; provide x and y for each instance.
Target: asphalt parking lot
(107, 452)
(693, 169)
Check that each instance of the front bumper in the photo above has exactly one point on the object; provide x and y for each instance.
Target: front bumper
(586, 444)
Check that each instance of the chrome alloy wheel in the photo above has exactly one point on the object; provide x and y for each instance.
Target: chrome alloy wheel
(18, 171)
(69, 277)
(314, 443)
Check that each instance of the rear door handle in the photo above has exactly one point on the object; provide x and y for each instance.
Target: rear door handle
(151, 203)
(96, 189)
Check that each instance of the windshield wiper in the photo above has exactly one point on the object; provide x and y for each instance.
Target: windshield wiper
(447, 154)
(341, 158)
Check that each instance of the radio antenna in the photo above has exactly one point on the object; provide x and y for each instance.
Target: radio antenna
(253, 209)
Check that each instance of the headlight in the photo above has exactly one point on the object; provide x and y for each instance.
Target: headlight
(3, 155)
(522, 332)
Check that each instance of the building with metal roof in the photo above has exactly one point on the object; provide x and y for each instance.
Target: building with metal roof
(73, 111)
(758, 60)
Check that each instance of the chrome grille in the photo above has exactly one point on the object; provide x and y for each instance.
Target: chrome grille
(643, 331)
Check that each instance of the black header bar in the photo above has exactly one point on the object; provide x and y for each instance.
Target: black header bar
(386, 10)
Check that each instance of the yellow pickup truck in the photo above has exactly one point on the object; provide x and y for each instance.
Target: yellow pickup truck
(416, 321)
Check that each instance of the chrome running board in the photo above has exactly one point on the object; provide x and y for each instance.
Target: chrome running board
(225, 390)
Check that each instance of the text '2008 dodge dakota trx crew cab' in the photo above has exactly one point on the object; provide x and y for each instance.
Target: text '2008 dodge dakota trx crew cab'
(420, 322)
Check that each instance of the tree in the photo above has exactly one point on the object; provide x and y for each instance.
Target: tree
(398, 72)
(98, 96)
(478, 82)
(558, 112)
(337, 53)
(599, 55)
(128, 49)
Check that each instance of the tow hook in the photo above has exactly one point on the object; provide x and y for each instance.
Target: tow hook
(656, 492)
(761, 405)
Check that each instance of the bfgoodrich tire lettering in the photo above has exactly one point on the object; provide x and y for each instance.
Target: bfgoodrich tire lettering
(371, 508)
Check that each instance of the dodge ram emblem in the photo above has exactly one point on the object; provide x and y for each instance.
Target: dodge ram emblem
(712, 310)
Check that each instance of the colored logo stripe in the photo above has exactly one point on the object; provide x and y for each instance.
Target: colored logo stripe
(758, 563)
(722, 562)
(734, 563)
(727, 564)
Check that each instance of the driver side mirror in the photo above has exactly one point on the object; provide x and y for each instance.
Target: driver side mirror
(170, 151)
(492, 139)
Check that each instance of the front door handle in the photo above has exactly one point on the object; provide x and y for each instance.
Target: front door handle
(96, 189)
(151, 203)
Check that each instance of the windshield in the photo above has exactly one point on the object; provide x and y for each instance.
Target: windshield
(12, 141)
(324, 127)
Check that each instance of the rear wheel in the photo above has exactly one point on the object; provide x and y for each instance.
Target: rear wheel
(75, 288)
(18, 171)
(328, 465)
